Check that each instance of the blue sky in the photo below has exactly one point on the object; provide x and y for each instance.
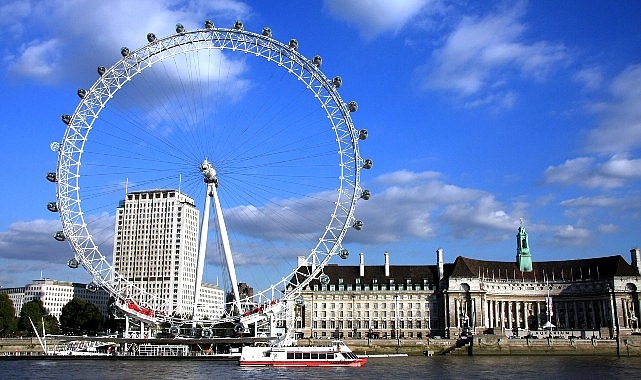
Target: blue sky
(478, 114)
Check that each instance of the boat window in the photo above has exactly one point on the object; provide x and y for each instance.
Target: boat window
(330, 356)
(299, 355)
(290, 355)
(322, 356)
(306, 355)
(314, 355)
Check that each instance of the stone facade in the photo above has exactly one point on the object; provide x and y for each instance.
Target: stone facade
(597, 297)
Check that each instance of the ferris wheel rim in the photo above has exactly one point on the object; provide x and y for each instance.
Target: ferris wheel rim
(111, 80)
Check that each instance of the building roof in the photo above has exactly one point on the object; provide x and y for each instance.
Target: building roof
(599, 268)
(580, 269)
(400, 273)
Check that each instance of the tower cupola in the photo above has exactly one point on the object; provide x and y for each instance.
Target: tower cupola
(523, 256)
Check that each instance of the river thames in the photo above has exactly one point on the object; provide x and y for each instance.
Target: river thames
(436, 367)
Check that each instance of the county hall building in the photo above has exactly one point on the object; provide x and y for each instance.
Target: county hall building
(595, 297)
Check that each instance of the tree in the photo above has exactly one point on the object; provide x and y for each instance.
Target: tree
(33, 310)
(8, 323)
(81, 317)
(52, 326)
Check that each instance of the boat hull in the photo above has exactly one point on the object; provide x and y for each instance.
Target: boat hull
(301, 363)
(335, 355)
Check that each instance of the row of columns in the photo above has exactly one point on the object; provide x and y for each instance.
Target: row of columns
(508, 314)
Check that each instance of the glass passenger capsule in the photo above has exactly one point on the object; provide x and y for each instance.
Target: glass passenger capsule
(73, 263)
(60, 236)
(52, 206)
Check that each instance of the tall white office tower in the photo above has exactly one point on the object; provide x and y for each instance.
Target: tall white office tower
(156, 245)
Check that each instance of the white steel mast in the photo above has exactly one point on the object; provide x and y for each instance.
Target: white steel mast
(212, 185)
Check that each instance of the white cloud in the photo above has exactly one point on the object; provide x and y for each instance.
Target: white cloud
(375, 17)
(38, 60)
(620, 128)
(298, 219)
(598, 201)
(419, 205)
(481, 53)
(75, 37)
(588, 172)
(608, 228)
(12, 13)
(591, 78)
(572, 235)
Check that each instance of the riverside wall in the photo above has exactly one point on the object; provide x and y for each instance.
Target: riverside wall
(480, 345)
(25, 345)
(493, 345)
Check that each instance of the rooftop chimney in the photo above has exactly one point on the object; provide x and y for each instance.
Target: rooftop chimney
(386, 264)
(302, 261)
(362, 265)
(439, 263)
(635, 253)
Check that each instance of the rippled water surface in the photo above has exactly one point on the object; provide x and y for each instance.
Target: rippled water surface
(436, 367)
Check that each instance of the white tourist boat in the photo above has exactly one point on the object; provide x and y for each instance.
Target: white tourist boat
(335, 355)
(81, 348)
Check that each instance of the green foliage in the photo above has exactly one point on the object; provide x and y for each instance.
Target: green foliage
(8, 322)
(52, 326)
(35, 311)
(80, 317)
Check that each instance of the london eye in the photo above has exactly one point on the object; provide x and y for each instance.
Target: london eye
(247, 127)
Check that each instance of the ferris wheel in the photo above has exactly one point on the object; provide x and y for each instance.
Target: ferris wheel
(220, 114)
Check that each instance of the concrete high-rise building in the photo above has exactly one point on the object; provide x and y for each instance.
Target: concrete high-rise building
(156, 247)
